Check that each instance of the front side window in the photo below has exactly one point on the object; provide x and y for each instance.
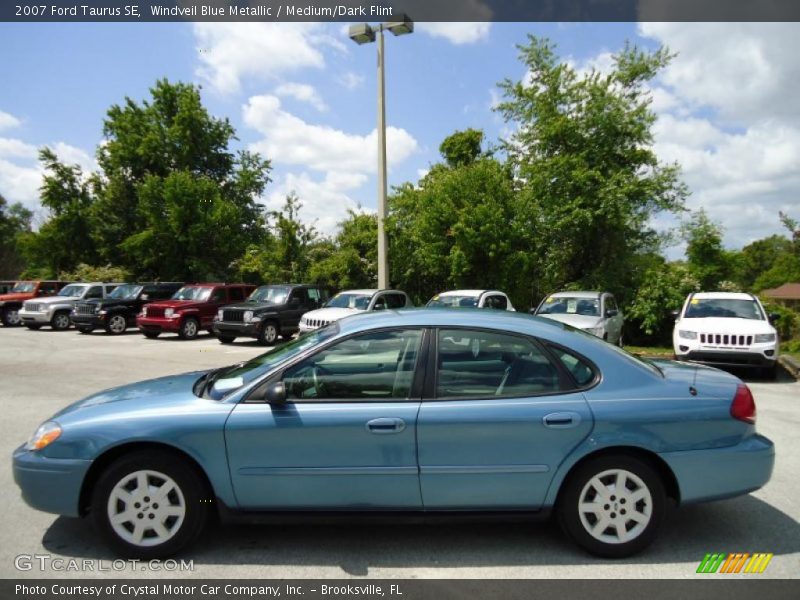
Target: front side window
(700, 308)
(373, 366)
(611, 304)
(453, 301)
(235, 294)
(218, 295)
(23, 287)
(95, 292)
(269, 294)
(480, 364)
(395, 300)
(313, 294)
(497, 302)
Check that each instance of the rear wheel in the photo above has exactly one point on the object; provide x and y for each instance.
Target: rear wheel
(268, 334)
(10, 317)
(189, 329)
(226, 339)
(60, 321)
(116, 324)
(612, 506)
(150, 504)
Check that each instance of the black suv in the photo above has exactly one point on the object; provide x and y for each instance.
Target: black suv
(268, 312)
(118, 311)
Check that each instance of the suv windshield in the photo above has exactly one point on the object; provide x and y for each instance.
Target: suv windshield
(72, 290)
(700, 308)
(193, 293)
(567, 305)
(126, 292)
(454, 301)
(269, 293)
(357, 301)
(22, 287)
(220, 383)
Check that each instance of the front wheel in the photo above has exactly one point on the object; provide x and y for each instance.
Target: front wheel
(150, 505)
(189, 329)
(116, 324)
(60, 321)
(612, 506)
(268, 334)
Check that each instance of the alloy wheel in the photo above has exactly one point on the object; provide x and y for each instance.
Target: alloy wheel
(12, 317)
(61, 321)
(117, 324)
(615, 506)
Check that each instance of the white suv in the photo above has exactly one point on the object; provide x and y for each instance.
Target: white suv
(725, 329)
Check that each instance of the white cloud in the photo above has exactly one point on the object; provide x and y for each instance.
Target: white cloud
(302, 92)
(232, 52)
(290, 140)
(456, 33)
(8, 121)
(351, 80)
(11, 148)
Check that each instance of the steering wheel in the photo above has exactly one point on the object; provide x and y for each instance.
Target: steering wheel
(319, 386)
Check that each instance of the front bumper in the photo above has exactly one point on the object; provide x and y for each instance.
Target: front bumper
(95, 320)
(28, 316)
(729, 358)
(158, 324)
(50, 484)
(237, 329)
(722, 472)
(305, 328)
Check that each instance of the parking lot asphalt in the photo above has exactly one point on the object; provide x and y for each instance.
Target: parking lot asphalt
(42, 371)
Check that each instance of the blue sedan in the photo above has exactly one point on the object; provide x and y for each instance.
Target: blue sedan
(424, 411)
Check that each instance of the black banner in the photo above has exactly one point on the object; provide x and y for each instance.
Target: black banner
(386, 10)
(400, 589)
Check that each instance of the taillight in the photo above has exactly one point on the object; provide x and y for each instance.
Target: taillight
(743, 406)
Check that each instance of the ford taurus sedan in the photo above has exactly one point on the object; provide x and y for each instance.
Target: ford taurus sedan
(405, 412)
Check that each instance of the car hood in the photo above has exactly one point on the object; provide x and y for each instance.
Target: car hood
(725, 325)
(577, 321)
(176, 304)
(56, 299)
(152, 391)
(331, 314)
(254, 306)
(15, 297)
(106, 302)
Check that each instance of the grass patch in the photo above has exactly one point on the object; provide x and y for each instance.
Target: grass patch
(654, 351)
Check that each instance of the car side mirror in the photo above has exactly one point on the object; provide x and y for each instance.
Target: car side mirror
(379, 307)
(674, 313)
(145, 297)
(276, 393)
(612, 312)
(531, 311)
(774, 317)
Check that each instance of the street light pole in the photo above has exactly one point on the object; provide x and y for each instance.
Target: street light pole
(364, 34)
(383, 258)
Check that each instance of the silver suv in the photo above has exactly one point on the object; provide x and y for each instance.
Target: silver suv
(593, 312)
(55, 310)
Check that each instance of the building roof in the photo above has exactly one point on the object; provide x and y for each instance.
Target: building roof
(788, 291)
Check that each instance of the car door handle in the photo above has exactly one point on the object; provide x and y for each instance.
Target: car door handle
(386, 425)
(562, 420)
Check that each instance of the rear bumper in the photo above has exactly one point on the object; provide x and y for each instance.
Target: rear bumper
(236, 329)
(729, 359)
(50, 484)
(722, 472)
(158, 324)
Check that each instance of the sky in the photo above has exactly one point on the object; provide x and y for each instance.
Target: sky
(304, 96)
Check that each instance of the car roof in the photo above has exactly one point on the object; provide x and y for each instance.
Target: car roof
(473, 293)
(578, 294)
(365, 292)
(722, 296)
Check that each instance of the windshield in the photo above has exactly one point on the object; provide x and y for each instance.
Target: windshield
(230, 379)
(568, 305)
(700, 308)
(454, 301)
(193, 293)
(72, 290)
(270, 293)
(345, 300)
(23, 287)
(126, 292)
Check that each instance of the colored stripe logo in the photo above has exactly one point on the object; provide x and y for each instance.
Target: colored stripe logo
(734, 562)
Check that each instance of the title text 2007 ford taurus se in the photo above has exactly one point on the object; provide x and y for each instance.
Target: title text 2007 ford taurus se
(405, 412)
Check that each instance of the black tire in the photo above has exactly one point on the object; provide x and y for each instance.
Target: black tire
(611, 508)
(116, 324)
(190, 329)
(60, 321)
(10, 317)
(770, 373)
(192, 495)
(151, 335)
(33, 326)
(268, 333)
(85, 330)
(226, 339)
(287, 336)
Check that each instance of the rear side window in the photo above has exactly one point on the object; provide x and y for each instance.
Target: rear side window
(313, 294)
(481, 364)
(235, 294)
(581, 372)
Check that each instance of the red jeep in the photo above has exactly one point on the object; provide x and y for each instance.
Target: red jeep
(190, 310)
(11, 302)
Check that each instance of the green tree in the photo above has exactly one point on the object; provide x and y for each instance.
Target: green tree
(173, 200)
(350, 260)
(758, 257)
(707, 259)
(15, 222)
(588, 179)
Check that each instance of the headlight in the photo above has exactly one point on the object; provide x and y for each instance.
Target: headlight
(169, 313)
(47, 433)
(219, 315)
(687, 335)
(98, 308)
(144, 311)
(248, 315)
(762, 338)
(102, 312)
(597, 331)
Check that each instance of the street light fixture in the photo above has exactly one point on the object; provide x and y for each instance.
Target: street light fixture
(365, 34)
